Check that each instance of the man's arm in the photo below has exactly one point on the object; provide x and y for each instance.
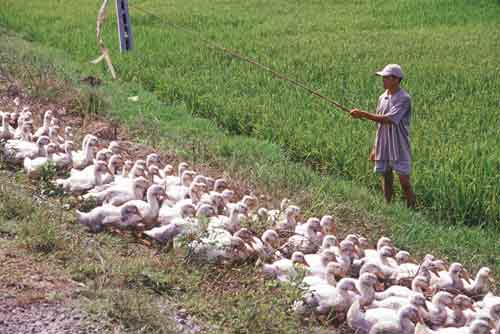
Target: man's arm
(357, 113)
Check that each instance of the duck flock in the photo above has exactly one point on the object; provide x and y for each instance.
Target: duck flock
(379, 290)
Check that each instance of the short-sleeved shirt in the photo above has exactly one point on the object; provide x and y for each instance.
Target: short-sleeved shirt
(392, 142)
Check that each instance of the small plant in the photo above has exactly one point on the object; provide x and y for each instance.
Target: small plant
(46, 185)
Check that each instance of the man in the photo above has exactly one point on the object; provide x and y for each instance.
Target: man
(391, 150)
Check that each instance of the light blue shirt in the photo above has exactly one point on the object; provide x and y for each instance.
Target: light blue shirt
(392, 141)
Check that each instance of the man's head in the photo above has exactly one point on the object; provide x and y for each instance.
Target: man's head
(392, 75)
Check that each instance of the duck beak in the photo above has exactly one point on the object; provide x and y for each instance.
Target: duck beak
(355, 290)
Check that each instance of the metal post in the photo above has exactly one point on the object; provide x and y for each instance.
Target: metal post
(124, 25)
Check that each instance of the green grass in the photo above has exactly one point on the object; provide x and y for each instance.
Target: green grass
(449, 50)
(126, 282)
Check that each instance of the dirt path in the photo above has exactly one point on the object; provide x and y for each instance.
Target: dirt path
(37, 298)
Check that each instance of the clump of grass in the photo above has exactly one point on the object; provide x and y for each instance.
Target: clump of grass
(38, 233)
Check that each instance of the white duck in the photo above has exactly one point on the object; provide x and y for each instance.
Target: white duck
(318, 262)
(5, 132)
(173, 180)
(180, 210)
(383, 241)
(457, 317)
(33, 167)
(266, 246)
(79, 183)
(419, 285)
(231, 223)
(307, 243)
(284, 269)
(44, 129)
(479, 286)
(438, 313)
(328, 298)
(150, 208)
(24, 131)
(476, 327)
(383, 320)
(328, 225)
(288, 222)
(95, 220)
(65, 159)
(85, 157)
(164, 233)
(451, 280)
(17, 150)
(314, 282)
(120, 193)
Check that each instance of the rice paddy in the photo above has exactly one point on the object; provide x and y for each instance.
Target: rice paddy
(448, 49)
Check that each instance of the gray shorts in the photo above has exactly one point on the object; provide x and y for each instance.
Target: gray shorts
(401, 167)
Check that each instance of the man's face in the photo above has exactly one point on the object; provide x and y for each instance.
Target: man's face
(390, 82)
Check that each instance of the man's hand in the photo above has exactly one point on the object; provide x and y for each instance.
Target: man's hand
(356, 113)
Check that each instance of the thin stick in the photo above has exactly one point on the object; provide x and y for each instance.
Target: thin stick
(238, 55)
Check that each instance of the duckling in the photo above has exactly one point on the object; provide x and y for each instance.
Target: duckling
(284, 269)
(104, 215)
(476, 327)
(44, 129)
(33, 167)
(16, 151)
(79, 183)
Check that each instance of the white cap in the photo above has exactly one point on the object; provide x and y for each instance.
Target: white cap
(391, 69)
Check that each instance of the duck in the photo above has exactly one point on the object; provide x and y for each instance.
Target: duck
(114, 164)
(99, 217)
(33, 167)
(83, 181)
(338, 299)
(479, 286)
(384, 254)
(284, 269)
(476, 327)
(266, 246)
(150, 208)
(451, 280)
(6, 133)
(85, 157)
(318, 262)
(311, 222)
(328, 225)
(419, 285)
(288, 222)
(114, 148)
(68, 134)
(456, 317)
(173, 180)
(65, 160)
(120, 193)
(24, 131)
(44, 129)
(313, 282)
(54, 136)
(307, 243)
(383, 320)
(180, 210)
(164, 233)
(383, 241)
(231, 223)
(438, 313)
(16, 151)
(153, 159)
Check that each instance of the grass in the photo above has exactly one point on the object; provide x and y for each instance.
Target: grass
(119, 273)
(448, 48)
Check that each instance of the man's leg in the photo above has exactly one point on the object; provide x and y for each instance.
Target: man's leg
(407, 191)
(388, 184)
